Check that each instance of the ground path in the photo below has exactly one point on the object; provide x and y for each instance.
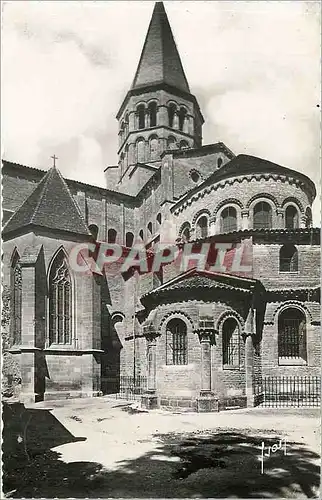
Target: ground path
(120, 452)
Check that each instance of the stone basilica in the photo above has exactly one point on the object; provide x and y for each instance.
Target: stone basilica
(197, 340)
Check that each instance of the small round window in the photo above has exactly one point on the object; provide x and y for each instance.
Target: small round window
(195, 176)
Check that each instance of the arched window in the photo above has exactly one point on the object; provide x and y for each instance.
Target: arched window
(171, 143)
(141, 235)
(262, 215)
(176, 342)
(308, 217)
(60, 302)
(182, 114)
(183, 145)
(219, 162)
(292, 334)
(291, 218)
(129, 237)
(154, 148)
(288, 258)
(171, 112)
(111, 236)
(186, 234)
(152, 111)
(16, 300)
(159, 218)
(140, 150)
(150, 229)
(202, 227)
(94, 230)
(230, 342)
(140, 116)
(228, 220)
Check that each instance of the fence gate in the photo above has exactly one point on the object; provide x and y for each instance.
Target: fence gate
(288, 392)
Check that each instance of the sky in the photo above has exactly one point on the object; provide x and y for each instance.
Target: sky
(67, 65)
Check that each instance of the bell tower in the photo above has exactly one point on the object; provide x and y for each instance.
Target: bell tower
(159, 112)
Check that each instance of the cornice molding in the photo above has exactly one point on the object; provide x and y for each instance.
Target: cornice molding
(182, 204)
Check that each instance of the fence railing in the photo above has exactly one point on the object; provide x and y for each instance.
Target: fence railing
(293, 391)
(131, 388)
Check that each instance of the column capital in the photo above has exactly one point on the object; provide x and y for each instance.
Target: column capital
(206, 334)
(151, 337)
(150, 332)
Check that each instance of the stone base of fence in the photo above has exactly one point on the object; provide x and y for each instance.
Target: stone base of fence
(149, 401)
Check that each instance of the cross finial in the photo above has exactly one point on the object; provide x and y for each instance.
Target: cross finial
(54, 157)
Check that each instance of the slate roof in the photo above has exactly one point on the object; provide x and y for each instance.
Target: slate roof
(51, 206)
(160, 60)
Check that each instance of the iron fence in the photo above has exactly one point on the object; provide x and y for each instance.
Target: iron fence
(131, 388)
(294, 391)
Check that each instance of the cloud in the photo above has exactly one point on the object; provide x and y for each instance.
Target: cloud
(67, 66)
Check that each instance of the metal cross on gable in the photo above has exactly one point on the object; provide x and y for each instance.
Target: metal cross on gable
(54, 157)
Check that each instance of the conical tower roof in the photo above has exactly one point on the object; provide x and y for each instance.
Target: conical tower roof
(50, 206)
(160, 61)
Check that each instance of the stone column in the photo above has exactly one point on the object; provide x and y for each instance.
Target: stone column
(212, 227)
(249, 352)
(186, 124)
(152, 369)
(175, 121)
(147, 119)
(206, 402)
(149, 400)
(249, 356)
(280, 219)
(191, 125)
(245, 219)
(205, 363)
(217, 224)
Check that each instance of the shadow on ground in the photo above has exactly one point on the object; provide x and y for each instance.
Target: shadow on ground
(190, 465)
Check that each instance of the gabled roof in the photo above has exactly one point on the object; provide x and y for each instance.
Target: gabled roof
(51, 206)
(160, 60)
(194, 279)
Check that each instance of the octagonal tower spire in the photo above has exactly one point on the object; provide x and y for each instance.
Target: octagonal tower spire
(159, 112)
(160, 61)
